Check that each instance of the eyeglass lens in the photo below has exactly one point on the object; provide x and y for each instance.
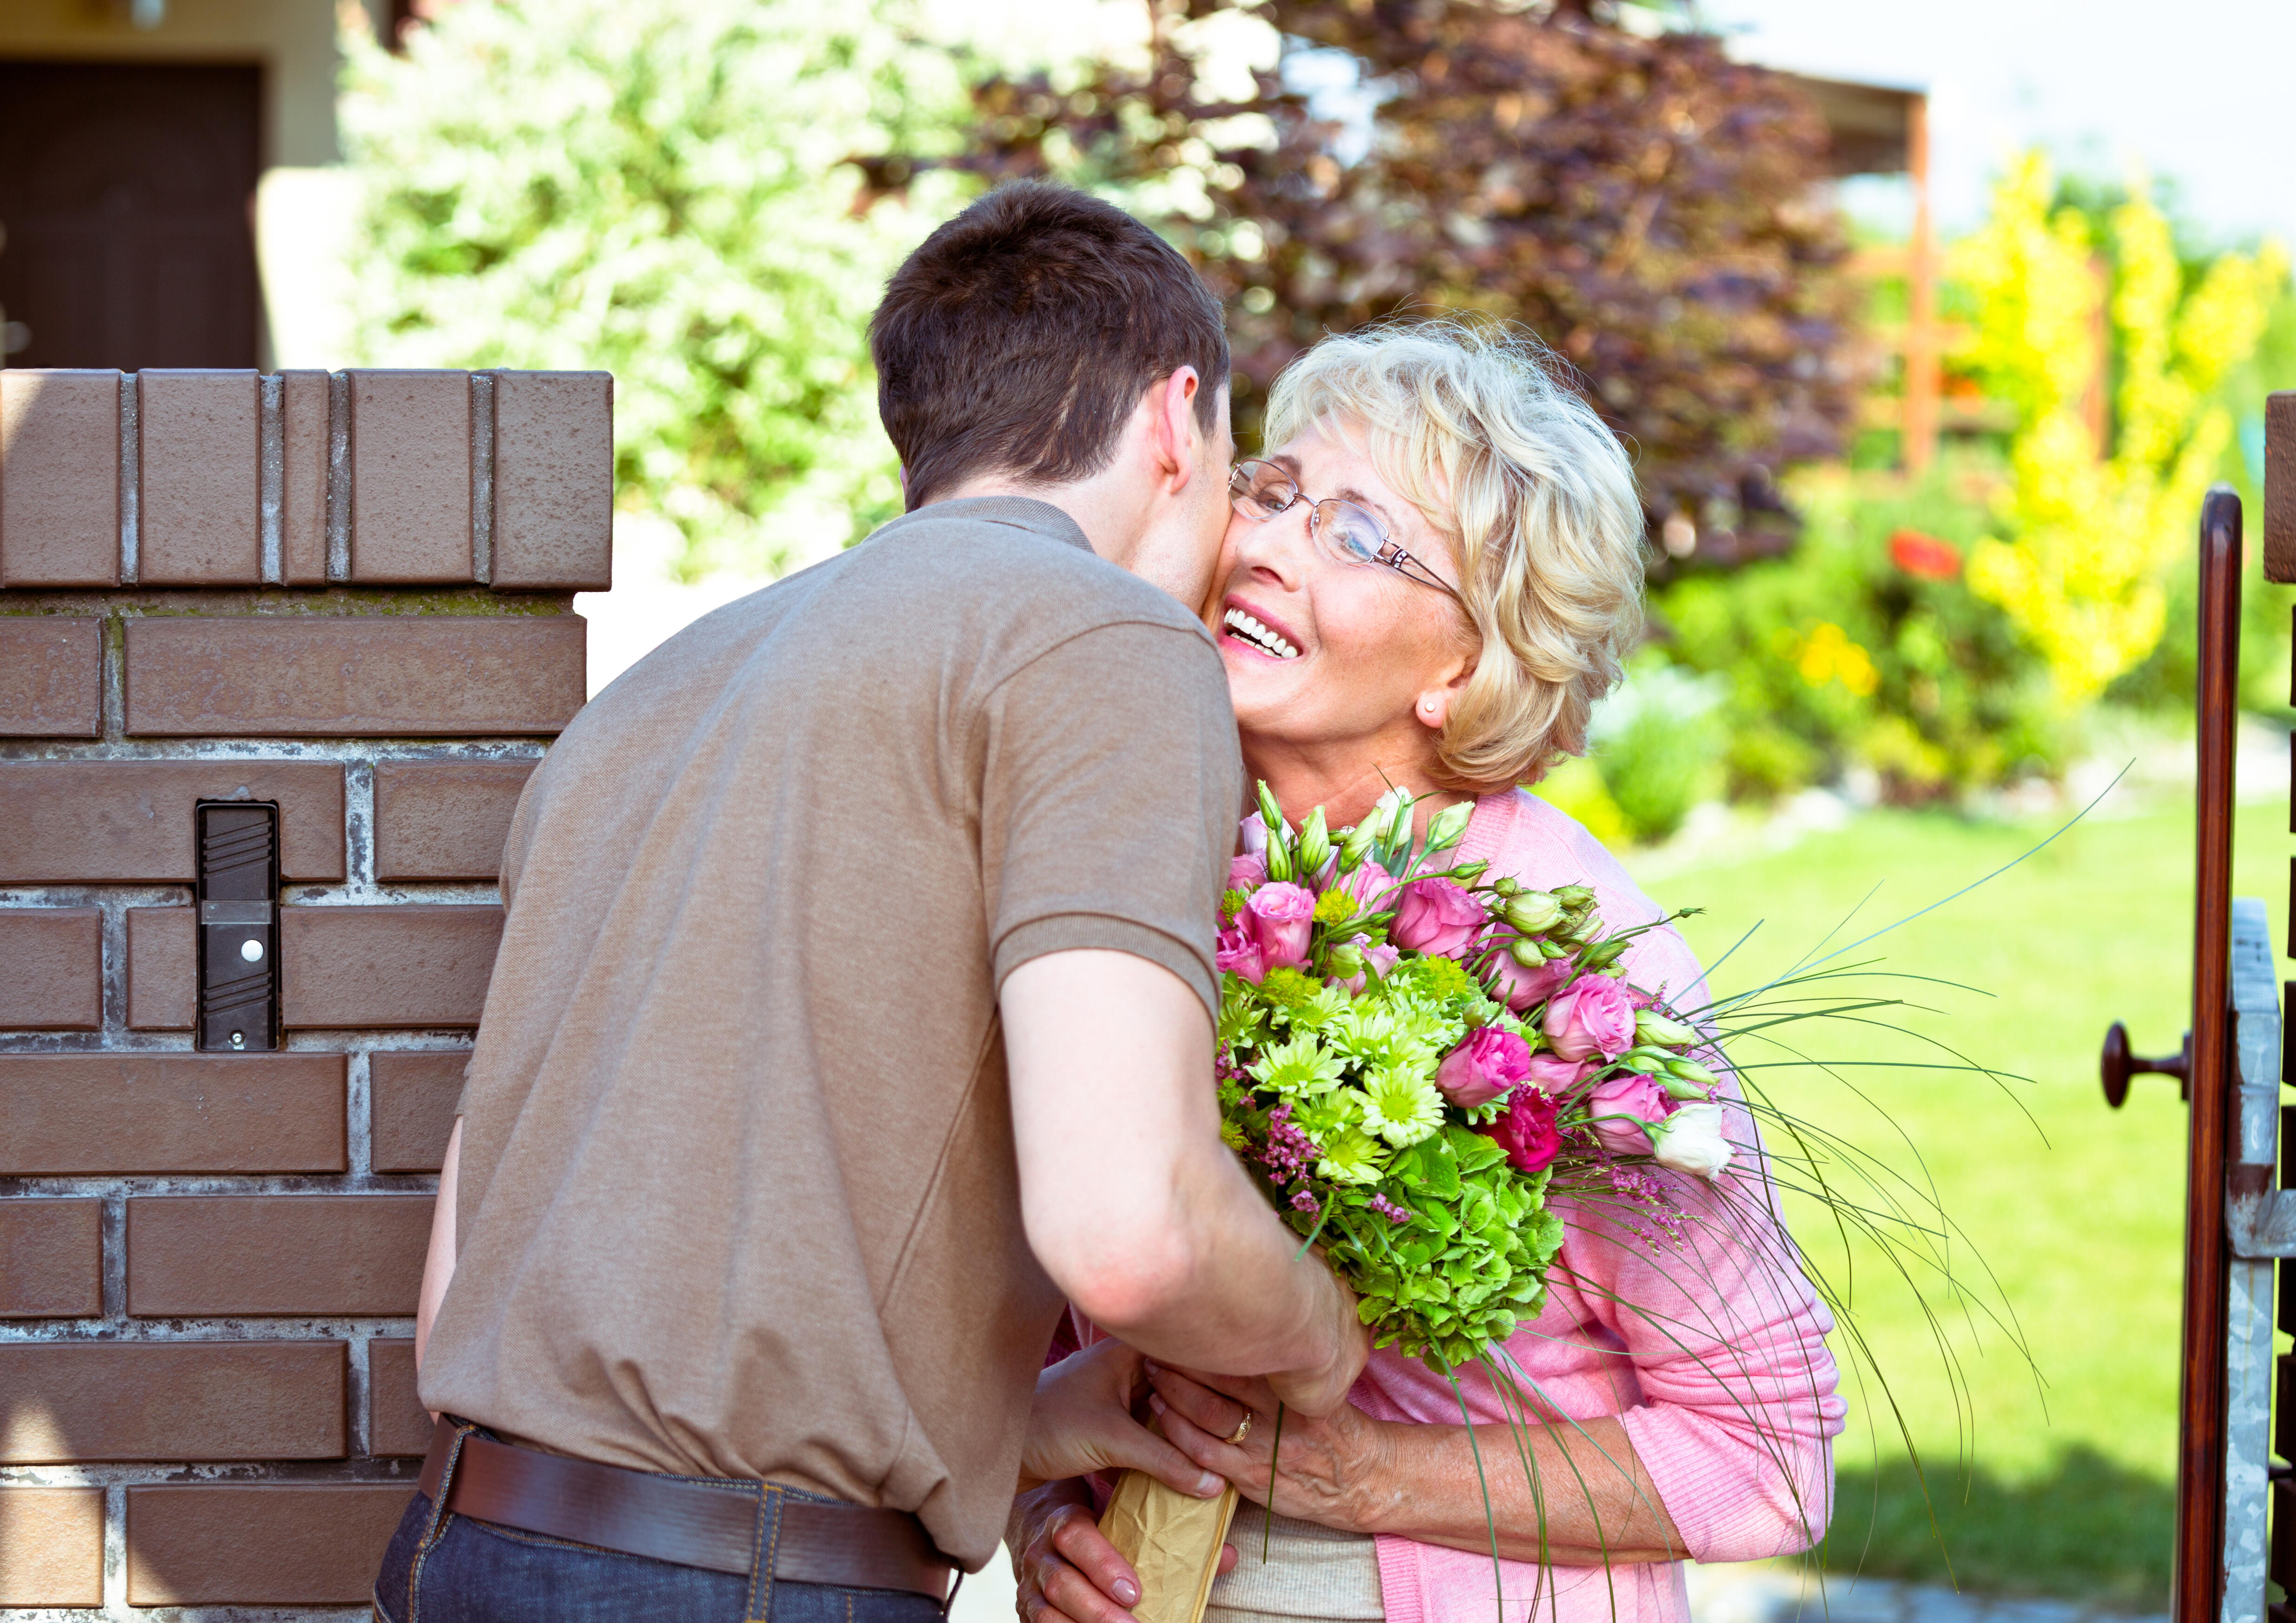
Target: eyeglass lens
(1342, 527)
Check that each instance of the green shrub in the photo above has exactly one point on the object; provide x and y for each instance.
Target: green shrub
(1841, 655)
(1655, 746)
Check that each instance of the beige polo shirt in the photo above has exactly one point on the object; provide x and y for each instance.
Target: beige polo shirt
(738, 1189)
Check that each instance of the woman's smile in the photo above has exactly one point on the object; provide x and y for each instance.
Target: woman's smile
(1261, 633)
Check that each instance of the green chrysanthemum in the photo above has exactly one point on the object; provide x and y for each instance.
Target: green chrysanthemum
(1325, 1116)
(1297, 1067)
(1241, 1016)
(1437, 979)
(1318, 1012)
(1402, 1105)
(1355, 1157)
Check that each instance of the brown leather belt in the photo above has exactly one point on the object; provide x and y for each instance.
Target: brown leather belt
(693, 1525)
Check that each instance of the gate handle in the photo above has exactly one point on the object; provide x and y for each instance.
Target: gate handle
(2118, 1065)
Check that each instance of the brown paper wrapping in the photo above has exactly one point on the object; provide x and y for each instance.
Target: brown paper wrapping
(1172, 1541)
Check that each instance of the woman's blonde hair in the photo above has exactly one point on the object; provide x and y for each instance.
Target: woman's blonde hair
(1474, 427)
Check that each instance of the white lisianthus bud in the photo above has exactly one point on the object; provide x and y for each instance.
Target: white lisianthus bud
(1642, 1062)
(1448, 825)
(1314, 843)
(1691, 1140)
(1652, 1027)
(1692, 1072)
(1532, 912)
(1398, 803)
(1278, 858)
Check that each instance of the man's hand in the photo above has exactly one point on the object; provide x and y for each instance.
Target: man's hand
(1083, 1420)
(1323, 1389)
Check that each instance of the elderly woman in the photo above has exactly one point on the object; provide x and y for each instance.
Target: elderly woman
(1429, 581)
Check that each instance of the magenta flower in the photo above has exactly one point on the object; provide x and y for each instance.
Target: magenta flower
(1520, 989)
(1590, 1016)
(1246, 873)
(1436, 917)
(1380, 959)
(1622, 1106)
(1282, 917)
(1527, 1131)
(1237, 952)
(1489, 1064)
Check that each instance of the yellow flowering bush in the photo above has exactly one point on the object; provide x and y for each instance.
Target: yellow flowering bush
(2090, 535)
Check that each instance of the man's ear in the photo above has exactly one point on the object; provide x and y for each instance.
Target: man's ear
(1173, 417)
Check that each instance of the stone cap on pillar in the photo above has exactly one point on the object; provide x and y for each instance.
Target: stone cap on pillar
(199, 478)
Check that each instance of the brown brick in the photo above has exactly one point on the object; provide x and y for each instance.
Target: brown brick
(449, 675)
(303, 478)
(198, 463)
(193, 1255)
(50, 677)
(411, 1100)
(397, 1424)
(226, 1543)
(553, 521)
(410, 476)
(59, 478)
(399, 967)
(163, 971)
(444, 819)
(171, 1400)
(118, 1112)
(51, 1259)
(51, 969)
(130, 822)
(51, 1547)
(2280, 487)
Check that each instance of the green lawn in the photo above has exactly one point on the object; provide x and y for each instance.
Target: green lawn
(2050, 1476)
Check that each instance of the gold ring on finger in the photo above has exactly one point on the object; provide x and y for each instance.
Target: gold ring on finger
(1242, 1430)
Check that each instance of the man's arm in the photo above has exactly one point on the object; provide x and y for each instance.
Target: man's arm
(1131, 1202)
(438, 1261)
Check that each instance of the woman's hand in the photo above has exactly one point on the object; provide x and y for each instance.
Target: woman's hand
(1084, 1421)
(1068, 1571)
(1333, 1471)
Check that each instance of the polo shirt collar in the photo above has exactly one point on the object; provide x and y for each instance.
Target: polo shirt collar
(1020, 512)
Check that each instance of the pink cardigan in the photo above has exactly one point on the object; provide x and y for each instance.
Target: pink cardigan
(1717, 1368)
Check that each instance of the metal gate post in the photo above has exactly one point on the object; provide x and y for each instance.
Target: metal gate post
(2200, 1462)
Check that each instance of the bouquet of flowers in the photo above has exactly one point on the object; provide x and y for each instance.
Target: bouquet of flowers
(1410, 1059)
(1410, 1056)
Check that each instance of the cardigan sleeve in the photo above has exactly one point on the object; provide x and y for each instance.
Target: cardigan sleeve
(1705, 1292)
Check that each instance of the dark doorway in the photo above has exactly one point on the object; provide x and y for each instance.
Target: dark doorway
(128, 196)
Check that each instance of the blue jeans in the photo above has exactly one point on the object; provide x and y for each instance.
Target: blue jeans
(467, 1571)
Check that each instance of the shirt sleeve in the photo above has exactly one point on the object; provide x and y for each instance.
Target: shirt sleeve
(1108, 794)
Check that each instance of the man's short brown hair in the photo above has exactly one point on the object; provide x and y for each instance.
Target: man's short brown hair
(1020, 336)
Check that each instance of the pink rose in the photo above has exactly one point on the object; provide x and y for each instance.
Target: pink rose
(1553, 1074)
(1370, 885)
(1620, 1106)
(1436, 917)
(1246, 873)
(1381, 958)
(1590, 1016)
(1237, 952)
(1489, 1063)
(1527, 1132)
(1282, 916)
(1520, 989)
(1253, 833)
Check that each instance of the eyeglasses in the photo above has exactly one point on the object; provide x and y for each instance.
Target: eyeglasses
(1345, 532)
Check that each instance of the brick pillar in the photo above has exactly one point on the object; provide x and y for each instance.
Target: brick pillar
(349, 597)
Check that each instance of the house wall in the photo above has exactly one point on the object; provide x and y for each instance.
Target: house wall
(350, 596)
(293, 40)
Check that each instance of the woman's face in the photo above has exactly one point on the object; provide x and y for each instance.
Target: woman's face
(1322, 653)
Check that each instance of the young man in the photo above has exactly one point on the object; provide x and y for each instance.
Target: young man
(855, 937)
